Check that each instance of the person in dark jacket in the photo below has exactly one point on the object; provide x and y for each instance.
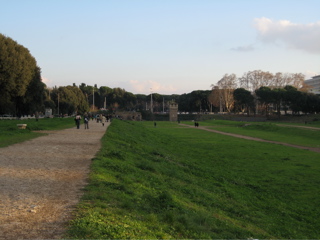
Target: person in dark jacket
(78, 119)
(86, 122)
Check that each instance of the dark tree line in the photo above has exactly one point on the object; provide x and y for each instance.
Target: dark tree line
(275, 100)
(287, 98)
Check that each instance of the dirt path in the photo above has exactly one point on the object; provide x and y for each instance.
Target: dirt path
(255, 139)
(296, 126)
(41, 181)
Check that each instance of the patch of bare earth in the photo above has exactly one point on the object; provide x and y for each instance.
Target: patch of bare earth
(41, 181)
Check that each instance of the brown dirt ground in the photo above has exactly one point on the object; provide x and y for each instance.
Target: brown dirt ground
(41, 181)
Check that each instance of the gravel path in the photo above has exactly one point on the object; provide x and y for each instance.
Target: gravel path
(41, 181)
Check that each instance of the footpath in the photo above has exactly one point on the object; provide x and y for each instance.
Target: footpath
(313, 149)
(41, 181)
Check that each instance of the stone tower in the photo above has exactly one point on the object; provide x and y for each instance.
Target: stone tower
(173, 111)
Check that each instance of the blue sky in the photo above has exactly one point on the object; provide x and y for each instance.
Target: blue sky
(164, 46)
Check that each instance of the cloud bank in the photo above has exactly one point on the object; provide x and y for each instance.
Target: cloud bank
(304, 37)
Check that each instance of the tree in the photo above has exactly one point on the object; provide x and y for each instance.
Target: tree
(243, 99)
(33, 100)
(141, 101)
(49, 104)
(17, 69)
(278, 96)
(184, 102)
(69, 100)
(103, 92)
(225, 88)
(196, 101)
(265, 97)
(214, 98)
(156, 101)
(130, 100)
(255, 79)
(312, 103)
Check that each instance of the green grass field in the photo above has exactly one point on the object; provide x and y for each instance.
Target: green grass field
(171, 181)
(287, 133)
(10, 134)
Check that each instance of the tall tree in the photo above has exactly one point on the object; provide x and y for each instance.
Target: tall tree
(33, 100)
(292, 99)
(69, 100)
(17, 68)
(243, 99)
(253, 80)
(265, 97)
(81, 105)
(225, 87)
(130, 101)
(104, 91)
(278, 97)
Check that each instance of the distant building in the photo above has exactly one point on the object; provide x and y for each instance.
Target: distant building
(48, 112)
(173, 112)
(314, 84)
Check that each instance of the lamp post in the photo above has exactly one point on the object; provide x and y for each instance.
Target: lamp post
(163, 105)
(151, 101)
(93, 99)
(58, 105)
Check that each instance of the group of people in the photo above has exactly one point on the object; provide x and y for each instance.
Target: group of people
(85, 120)
(100, 118)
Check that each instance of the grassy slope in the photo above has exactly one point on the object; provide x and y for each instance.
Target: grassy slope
(173, 182)
(10, 134)
(269, 131)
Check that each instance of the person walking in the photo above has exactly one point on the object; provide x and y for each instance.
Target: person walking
(78, 119)
(86, 122)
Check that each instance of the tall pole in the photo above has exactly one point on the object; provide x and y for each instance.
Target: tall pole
(151, 101)
(93, 99)
(163, 105)
(58, 104)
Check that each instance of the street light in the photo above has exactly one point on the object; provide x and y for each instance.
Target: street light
(58, 105)
(151, 101)
(93, 99)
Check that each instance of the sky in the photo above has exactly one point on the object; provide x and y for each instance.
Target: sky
(164, 46)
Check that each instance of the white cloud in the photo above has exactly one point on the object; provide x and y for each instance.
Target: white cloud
(247, 48)
(146, 87)
(46, 81)
(310, 74)
(295, 36)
